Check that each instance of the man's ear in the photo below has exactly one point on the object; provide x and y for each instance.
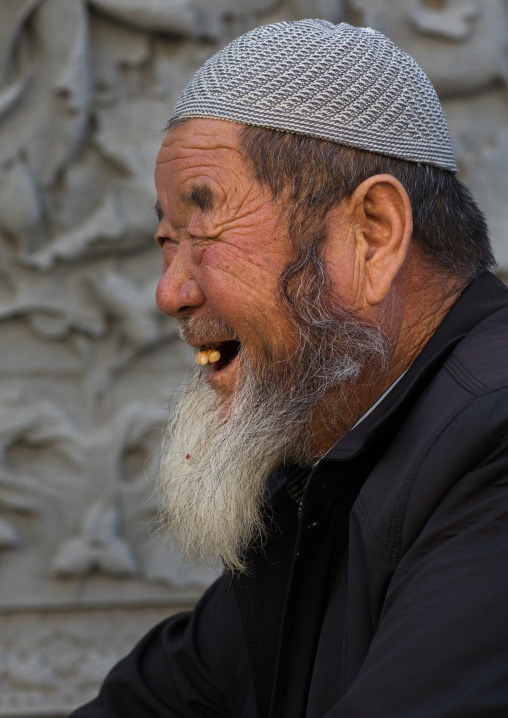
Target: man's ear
(383, 223)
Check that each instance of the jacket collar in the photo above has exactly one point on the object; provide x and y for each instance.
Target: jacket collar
(482, 298)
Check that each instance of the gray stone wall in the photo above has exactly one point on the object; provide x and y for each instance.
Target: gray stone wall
(87, 363)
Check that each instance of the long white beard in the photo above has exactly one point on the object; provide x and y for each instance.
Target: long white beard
(213, 472)
(214, 466)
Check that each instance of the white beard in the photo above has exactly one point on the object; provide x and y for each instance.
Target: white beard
(214, 470)
(212, 502)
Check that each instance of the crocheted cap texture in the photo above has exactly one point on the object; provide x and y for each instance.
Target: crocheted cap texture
(347, 84)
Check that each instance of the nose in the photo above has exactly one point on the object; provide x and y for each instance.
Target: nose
(178, 290)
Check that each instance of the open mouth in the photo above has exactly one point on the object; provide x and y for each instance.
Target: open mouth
(218, 355)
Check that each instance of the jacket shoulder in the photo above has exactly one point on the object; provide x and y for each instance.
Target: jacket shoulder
(480, 360)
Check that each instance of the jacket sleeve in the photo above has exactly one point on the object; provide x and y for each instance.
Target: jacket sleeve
(440, 649)
(180, 668)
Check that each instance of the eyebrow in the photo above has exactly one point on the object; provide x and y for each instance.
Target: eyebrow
(202, 195)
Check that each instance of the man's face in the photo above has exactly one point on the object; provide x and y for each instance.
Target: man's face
(224, 248)
(282, 371)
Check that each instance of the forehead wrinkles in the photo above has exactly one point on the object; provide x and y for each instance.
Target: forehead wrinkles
(178, 142)
(197, 158)
(187, 154)
(222, 170)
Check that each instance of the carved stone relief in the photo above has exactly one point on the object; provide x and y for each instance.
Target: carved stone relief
(88, 365)
(51, 661)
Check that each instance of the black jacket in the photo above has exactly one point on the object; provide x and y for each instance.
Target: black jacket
(394, 608)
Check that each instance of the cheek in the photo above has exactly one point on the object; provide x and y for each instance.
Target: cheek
(237, 273)
(225, 285)
(221, 258)
(344, 274)
(238, 289)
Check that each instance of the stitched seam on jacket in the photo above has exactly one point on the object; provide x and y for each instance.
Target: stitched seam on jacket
(372, 542)
(396, 525)
(464, 377)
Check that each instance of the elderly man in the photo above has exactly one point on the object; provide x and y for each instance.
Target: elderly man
(343, 447)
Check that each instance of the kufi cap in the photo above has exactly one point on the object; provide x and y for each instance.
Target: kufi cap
(346, 84)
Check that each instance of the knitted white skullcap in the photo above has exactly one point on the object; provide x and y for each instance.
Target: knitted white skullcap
(346, 84)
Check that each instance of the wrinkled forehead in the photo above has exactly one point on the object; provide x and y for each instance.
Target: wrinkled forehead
(200, 166)
(201, 139)
(198, 155)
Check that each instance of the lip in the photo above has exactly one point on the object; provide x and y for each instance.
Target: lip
(221, 379)
(207, 343)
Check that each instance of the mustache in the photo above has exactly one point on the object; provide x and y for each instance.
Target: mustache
(202, 328)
